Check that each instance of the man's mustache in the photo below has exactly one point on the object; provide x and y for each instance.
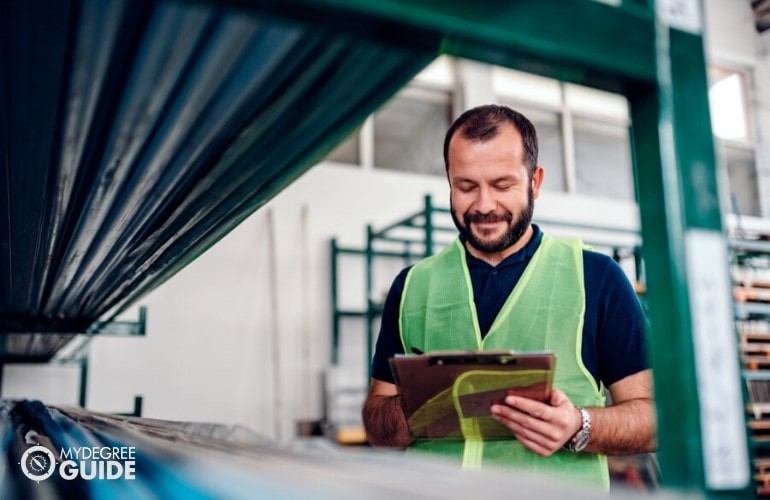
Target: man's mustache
(471, 218)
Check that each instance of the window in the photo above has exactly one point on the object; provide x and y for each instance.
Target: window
(550, 145)
(583, 132)
(409, 131)
(728, 100)
(734, 138)
(742, 179)
(585, 145)
(603, 159)
(349, 150)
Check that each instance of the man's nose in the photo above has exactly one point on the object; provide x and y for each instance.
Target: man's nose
(486, 202)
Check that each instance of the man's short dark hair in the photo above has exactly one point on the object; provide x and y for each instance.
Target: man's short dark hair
(482, 124)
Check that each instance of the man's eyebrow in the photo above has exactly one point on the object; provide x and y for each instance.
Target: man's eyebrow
(509, 177)
(503, 178)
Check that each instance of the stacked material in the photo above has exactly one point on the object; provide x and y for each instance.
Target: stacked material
(72, 453)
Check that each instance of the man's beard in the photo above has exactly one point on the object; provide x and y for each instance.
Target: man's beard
(516, 229)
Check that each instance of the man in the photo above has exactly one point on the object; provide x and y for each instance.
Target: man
(530, 292)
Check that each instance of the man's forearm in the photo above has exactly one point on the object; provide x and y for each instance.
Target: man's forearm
(385, 423)
(626, 428)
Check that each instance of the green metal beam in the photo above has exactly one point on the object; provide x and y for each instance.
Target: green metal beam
(702, 437)
(582, 41)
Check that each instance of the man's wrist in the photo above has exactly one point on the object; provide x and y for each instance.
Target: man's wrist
(580, 439)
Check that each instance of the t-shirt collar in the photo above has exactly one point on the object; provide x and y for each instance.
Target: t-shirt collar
(522, 255)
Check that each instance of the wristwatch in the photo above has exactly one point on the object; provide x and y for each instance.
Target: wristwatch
(580, 440)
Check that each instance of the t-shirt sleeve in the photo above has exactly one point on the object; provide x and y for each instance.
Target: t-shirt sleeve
(389, 340)
(621, 343)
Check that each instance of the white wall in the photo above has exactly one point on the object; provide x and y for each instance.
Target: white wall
(207, 355)
(208, 351)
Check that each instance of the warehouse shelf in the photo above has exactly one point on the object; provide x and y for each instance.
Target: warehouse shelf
(750, 269)
(756, 374)
(751, 309)
(70, 349)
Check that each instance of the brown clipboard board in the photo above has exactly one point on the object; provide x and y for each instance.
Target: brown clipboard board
(448, 394)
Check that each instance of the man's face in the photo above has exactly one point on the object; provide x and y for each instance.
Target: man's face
(492, 195)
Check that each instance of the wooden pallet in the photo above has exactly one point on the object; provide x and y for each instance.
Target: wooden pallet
(760, 348)
(759, 424)
(762, 476)
(762, 465)
(758, 410)
(755, 337)
(760, 431)
(751, 294)
(754, 284)
(755, 362)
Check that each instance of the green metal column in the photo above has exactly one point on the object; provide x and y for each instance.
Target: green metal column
(701, 428)
(83, 391)
(370, 312)
(428, 226)
(335, 302)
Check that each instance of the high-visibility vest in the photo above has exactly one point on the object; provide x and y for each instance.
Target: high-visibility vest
(544, 312)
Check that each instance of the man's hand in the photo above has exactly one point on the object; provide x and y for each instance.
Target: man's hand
(627, 427)
(541, 427)
(383, 417)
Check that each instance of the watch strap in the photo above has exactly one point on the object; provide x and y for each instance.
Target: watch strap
(579, 441)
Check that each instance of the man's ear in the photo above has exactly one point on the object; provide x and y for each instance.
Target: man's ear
(537, 180)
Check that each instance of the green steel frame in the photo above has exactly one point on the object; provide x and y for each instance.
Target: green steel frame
(654, 55)
(422, 220)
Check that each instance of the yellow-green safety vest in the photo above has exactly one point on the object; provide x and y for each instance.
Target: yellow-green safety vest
(544, 312)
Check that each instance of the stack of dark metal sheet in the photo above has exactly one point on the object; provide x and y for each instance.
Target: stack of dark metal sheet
(130, 457)
(136, 134)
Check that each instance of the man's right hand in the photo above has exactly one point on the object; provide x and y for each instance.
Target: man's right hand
(383, 417)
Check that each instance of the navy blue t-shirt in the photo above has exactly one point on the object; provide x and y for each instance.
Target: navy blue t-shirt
(613, 326)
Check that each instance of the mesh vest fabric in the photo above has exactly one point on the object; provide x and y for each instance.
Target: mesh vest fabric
(544, 312)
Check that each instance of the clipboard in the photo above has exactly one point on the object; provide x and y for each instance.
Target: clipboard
(449, 394)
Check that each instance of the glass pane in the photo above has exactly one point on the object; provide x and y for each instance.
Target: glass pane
(728, 103)
(550, 145)
(347, 151)
(603, 160)
(742, 176)
(596, 102)
(409, 132)
(525, 86)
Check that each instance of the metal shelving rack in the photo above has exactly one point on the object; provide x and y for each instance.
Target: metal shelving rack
(425, 241)
(750, 263)
(30, 351)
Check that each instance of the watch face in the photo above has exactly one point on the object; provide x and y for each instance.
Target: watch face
(581, 440)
